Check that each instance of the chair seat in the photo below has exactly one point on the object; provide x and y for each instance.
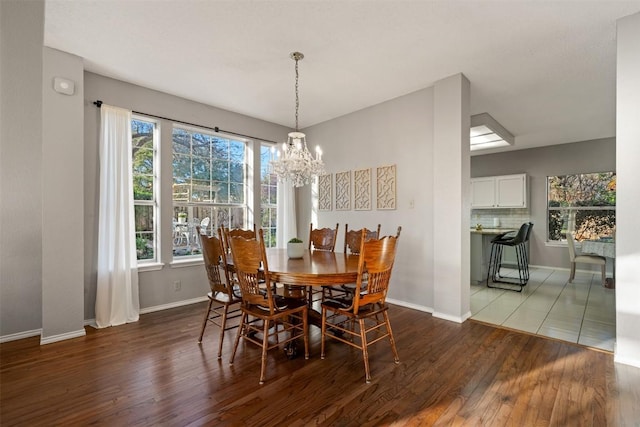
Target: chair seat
(223, 298)
(591, 259)
(344, 306)
(282, 304)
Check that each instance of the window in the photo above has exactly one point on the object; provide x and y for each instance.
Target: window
(208, 186)
(268, 198)
(584, 204)
(144, 137)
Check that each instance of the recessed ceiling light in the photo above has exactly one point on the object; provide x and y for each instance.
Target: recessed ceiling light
(486, 133)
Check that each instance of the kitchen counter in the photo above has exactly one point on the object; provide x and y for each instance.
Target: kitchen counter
(481, 249)
(492, 231)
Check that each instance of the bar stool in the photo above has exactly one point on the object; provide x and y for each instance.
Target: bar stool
(495, 259)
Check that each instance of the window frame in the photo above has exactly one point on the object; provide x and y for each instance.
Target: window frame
(270, 232)
(155, 261)
(572, 210)
(192, 206)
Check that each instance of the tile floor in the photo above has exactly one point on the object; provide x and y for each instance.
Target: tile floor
(581, 312)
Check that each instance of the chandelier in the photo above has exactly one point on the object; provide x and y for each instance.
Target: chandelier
(295, 163)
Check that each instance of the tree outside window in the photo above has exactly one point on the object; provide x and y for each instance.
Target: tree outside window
(583, 204)
(209, 186)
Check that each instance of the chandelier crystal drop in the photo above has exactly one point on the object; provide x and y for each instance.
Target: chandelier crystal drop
(295, 163)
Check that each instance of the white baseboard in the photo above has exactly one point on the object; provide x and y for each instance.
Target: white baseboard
(546, 267)
(62, 337)
(626, 361)
(457, 319)
(409, 305)
(21, 335)
(172, 305)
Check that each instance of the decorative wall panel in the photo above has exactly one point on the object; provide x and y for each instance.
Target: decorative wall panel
(343, 191)
(362, 190)
(324, 192)
(386, 187)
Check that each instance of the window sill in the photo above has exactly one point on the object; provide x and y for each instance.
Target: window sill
(153, 266)
(561, 244)
(555, 244)
(190, 262)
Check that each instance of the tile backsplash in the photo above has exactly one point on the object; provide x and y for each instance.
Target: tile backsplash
(506, 218)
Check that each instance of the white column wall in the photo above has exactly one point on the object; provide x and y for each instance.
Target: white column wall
(451, 207)
(21, 35)
(628, 195)
(62, 199)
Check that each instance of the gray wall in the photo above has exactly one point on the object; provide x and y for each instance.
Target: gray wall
(401, 132)
(21, 35)
(538, 163)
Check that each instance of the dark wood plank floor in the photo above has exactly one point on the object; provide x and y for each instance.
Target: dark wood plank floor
(153, 372)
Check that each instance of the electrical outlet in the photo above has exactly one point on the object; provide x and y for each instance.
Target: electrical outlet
(177, 285)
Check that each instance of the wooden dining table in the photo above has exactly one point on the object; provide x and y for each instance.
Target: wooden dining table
(315, 268)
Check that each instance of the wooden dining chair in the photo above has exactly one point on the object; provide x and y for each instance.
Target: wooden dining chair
(352, 244)
(224, 297)
(364, 319)
(238, 232)
(260, 302)
(352, 238)
(321, 239)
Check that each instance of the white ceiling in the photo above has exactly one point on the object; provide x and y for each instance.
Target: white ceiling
(544, 69)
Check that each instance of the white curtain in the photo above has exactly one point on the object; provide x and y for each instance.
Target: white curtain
(286, 226)
(117, 299)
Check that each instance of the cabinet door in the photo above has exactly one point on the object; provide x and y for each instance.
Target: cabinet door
(511, 191)
(483, 192)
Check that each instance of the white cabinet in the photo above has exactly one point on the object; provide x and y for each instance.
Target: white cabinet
(483, 192)
(505, 191)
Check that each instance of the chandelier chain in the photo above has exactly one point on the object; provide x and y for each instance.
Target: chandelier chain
(297, 97)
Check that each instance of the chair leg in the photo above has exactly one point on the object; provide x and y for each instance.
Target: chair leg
(604, 274)
(396, 358)
(265, 345)
(365, 350)
(490, 265)
(206, 319)
(572, 275)
(223, 327)
(305, 326)
(324, 332)
(243, 320)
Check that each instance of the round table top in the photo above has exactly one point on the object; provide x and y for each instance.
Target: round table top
(315, 268)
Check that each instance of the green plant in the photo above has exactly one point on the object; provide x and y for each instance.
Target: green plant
(295, 240)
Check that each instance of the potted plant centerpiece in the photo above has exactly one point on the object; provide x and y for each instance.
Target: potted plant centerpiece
(182, 217)
(295, 248)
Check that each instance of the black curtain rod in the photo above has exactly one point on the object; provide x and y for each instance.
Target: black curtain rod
(98, 104)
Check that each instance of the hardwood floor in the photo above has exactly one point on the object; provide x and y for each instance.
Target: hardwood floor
(153, 372)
